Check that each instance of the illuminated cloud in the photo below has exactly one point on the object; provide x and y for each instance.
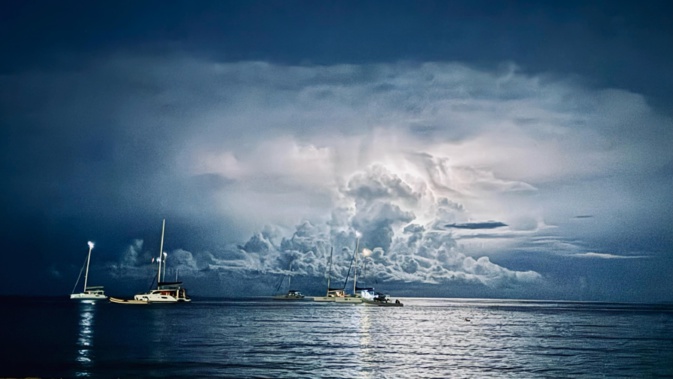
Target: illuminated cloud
(273, 165)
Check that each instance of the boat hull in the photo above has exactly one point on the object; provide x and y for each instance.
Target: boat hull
(127, 301)
(325, 299)
(383, 303)
(288, 298)
(87, 296)
(348, 299)
(165, 299)
(290, 295)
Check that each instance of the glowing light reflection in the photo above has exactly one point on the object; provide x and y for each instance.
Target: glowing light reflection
(85, 338)
(366, 355)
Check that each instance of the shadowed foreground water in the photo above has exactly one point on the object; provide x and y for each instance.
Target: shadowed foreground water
(427, 338)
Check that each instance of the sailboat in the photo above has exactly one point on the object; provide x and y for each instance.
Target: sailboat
(358, 293)
(332, 293)
(291, 294)
(365, 295)
(165, 292)
(90, 293)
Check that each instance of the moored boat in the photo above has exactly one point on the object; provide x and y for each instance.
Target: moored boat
(365, 295)
(165, 292)
(290, 295)
(358, 293)
(127, 301)
(89, 292)
(333, 294)
(382, 300)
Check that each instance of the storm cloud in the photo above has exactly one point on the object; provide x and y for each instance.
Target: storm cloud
(267, 167)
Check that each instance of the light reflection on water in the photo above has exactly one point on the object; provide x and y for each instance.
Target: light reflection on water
(262, 338)
(85, 338)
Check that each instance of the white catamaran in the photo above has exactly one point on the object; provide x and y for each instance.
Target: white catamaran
(332, 293)
(358, 293)
(90, 293)
(365, 295)
(165, 292)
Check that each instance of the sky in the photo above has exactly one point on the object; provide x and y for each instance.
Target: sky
(491, 149)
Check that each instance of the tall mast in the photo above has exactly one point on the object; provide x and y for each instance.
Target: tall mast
(164, 257)
(88, 259)
(289, 279)
(161, 250)
(355, 274)
(329, 277)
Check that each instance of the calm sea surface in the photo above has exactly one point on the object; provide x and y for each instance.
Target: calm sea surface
(427, 338)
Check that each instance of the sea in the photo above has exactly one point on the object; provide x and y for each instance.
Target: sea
(265, 338)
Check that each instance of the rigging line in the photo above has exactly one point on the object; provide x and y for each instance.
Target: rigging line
(349, 270)
(280, 283)
(78, 277)
(152, 283)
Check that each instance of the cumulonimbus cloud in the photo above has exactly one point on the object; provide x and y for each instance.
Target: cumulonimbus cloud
(302, 158)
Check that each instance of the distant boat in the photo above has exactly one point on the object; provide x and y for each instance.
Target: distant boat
(165, 292)
(365, 295)
(291, 294)
(332, 293)
(89, 293)
(382, 300)
(358, 293)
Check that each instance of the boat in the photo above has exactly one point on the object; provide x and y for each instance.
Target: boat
(358, 293)
(291, 294)
(165, 292)
(332, 293)
(382, 300)
(128, 301)
(90, 292)
(365, 295)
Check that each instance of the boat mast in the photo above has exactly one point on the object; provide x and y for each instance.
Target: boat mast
(289, 279)
(329, 277)
(165, 256)
(86, 274)
(355, 273)
(161, 251)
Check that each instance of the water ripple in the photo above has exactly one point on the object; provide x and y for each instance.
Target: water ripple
(428, 338)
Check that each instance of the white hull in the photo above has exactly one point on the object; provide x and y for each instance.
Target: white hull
(87, 296)
(166, 292)
(159, 298)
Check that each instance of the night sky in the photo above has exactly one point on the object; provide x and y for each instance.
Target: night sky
(506, 149)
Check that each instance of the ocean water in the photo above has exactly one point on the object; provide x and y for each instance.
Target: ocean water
(260, 338)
